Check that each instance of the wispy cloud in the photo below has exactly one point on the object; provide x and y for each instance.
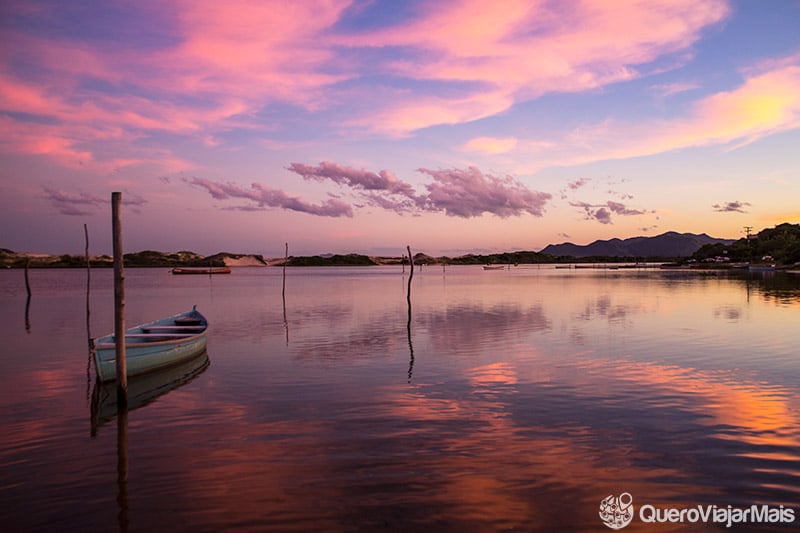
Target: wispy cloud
(766, 102)
(671, 89)
(498, 54)
(209, 69)
(731, 207)
(212, 67)
(491, 145)
(264, 197)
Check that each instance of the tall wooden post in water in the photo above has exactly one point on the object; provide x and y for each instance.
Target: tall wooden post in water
(119, 301)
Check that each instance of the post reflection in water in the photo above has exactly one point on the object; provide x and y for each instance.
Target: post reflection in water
(27, 314)
(408, 324)
(541, 393)
(143, 389)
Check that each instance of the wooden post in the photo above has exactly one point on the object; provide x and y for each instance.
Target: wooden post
(119, 302)
(88, 286)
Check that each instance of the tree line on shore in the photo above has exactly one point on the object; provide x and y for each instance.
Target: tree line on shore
(779, 245)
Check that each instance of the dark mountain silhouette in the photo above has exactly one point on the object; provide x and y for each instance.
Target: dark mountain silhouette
(670, 244)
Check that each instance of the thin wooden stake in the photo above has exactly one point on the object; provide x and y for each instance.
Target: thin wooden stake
(410, 276)
(27, 283)
(119, 302)
(408, 324)
(283, 294)
(285, 260)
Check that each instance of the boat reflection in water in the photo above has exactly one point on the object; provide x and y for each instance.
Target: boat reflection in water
(144, 389)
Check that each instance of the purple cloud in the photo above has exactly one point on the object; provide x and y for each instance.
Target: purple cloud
(465, 193)
(73, 204)
(578, 183)
(264, 196)
(462, 193)
(620, 209)
(603, 212)
(80, 204)
(384, 180)
(731, 207)
(573, 186)
(602, 215)
(470, 193)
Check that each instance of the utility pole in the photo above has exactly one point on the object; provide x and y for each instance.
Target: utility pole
(747, 230)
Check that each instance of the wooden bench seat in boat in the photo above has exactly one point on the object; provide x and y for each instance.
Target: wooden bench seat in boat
(165, 336)
(168, 335)
(188, 321)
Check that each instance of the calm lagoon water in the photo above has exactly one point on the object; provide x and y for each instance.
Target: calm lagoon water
(514, 399)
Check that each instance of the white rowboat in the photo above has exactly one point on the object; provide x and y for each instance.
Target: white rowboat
(154, 345)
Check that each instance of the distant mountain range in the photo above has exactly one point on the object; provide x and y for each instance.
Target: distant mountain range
(670, 244)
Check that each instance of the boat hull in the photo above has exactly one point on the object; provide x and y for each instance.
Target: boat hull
(206, 271)
(144, 389)
(146, 351)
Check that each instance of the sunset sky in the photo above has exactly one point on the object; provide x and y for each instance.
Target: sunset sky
(363, 126)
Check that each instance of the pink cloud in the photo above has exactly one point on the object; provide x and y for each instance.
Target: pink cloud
(408, 111)
(766, 102)
(222, 63)
(260, 51)
(491, 145)
(517, 50)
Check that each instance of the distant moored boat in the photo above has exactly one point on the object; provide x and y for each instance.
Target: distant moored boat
(761, 268)
(211, 270)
